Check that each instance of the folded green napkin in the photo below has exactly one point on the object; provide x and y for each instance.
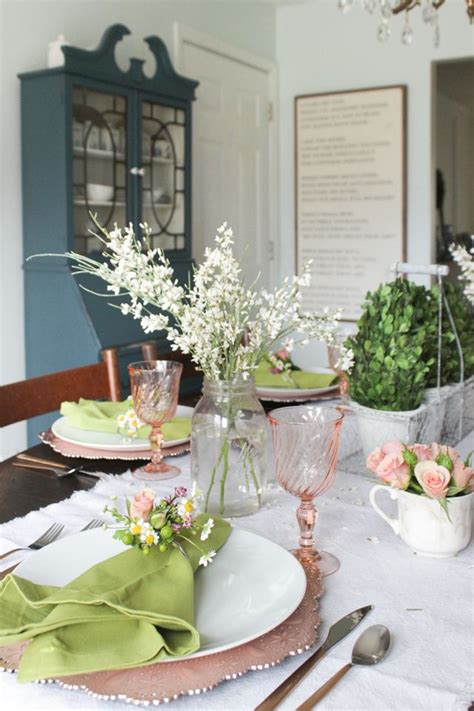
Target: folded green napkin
(101, 416)
(129, 611)
(264, 378)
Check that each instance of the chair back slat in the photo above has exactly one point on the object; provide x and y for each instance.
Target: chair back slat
(45, 393)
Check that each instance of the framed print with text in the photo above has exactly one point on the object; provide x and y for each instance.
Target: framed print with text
(350, 193)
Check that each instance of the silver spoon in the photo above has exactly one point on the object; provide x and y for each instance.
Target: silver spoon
(370, 648)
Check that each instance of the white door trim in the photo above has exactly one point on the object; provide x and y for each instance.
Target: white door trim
(184, 34)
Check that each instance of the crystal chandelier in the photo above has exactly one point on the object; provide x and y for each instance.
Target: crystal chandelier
(386, 9)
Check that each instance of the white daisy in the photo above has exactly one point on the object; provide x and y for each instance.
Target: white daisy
(195, 492)
(206, 529)
(206, 558)
(185, 506)
(136, 527)
(149, 536)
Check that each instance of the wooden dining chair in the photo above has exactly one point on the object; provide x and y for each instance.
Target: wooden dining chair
(41, 395)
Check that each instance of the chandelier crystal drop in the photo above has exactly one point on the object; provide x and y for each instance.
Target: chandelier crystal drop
(387, 9)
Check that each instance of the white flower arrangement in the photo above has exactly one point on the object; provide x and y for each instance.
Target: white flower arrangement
(464, 259)
(223, 325)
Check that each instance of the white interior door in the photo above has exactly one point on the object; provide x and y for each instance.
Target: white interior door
(231, 152)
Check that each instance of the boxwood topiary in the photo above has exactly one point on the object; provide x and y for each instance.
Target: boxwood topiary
(391, 358)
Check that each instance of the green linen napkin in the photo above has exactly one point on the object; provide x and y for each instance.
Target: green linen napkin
(101, 416)
(264, 378)
(130, 610)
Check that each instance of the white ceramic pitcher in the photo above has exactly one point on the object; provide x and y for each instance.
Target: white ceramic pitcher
(423, 524)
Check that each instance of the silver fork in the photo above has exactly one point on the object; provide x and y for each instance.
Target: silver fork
(45, 539)
(95, 523)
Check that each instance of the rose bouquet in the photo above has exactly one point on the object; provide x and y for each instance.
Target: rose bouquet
(435, 470)
(150, 522)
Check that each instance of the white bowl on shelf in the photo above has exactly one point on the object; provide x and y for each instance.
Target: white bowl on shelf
(99, 192)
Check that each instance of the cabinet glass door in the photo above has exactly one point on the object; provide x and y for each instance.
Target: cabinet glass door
(163, 174)
(99, 138)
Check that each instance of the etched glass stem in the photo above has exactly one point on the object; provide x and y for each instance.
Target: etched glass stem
(307, 515)
(156, 440)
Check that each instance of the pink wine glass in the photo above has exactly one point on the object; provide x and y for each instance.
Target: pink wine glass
(306, 443)
(155, 388)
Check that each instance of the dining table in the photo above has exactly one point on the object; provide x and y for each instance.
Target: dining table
(426, 603)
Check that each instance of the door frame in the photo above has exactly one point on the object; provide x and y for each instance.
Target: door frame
(184, 34)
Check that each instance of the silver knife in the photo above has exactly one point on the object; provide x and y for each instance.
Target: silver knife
(60, 469)
(337, 632)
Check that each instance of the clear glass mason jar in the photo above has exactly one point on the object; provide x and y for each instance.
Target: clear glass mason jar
(229, 447)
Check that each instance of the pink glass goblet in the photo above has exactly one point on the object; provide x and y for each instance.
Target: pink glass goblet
(306, 443)
(155, 388)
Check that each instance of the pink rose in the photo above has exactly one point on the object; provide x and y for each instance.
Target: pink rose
(393, 447)
(422, 451)
(142, 504)
(282, 354)
(434, 479)
(378, 454)
(393, 470)
(462, 475)
(374, 459)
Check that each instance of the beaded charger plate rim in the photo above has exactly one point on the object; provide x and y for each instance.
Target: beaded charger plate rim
(161, 683)
(75, 451)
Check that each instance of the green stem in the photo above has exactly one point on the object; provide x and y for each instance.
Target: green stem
(213, 477)
(188, 540)
(225, 450)
(254, 478)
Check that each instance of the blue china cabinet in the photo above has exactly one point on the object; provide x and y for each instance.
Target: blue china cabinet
(98, 140)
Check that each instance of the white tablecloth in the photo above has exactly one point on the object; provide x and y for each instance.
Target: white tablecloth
(426, 603)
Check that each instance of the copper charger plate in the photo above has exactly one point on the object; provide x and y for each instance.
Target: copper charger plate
(165, 682)
(68, 449)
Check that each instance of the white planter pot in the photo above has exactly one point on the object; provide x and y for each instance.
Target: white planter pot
(424, 526)
(379, 426)
(436, 402)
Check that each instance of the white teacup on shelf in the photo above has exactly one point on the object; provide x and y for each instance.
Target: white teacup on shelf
(99, 193)
(424, 526)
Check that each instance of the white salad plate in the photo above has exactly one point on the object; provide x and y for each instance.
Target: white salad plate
(291, 393)
(251, 586)
(111, 440)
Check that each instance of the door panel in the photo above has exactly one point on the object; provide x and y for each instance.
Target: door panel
(230, 155)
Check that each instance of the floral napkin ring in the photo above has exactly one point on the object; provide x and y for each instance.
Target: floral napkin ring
(150, 522)
(128, 423)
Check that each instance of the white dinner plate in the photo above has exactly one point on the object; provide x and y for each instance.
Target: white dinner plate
(251, 586)
(286, 394)
(109, 440)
